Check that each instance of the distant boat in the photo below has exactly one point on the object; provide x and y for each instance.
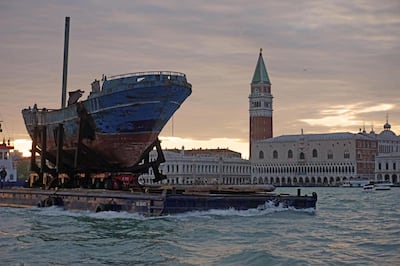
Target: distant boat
(385, 185)
(354, 183)
(7, 164)
(368, 187)
(378, 185)
(346, 184)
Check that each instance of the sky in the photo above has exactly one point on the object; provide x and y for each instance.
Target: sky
(334, 65)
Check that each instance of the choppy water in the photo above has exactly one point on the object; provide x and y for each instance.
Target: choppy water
(349, 227)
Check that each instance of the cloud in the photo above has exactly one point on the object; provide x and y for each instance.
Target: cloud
(346, 115)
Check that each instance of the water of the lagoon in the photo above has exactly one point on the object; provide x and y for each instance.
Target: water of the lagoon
(349, 227)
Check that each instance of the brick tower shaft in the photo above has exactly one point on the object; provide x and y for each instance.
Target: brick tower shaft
(260, 104)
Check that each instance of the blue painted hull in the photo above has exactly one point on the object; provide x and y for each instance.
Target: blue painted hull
(119, 122)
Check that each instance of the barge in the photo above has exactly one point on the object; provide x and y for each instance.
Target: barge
(155, 202)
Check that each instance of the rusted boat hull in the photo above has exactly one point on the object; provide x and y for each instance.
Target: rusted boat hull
(116, 124)
(148, 204)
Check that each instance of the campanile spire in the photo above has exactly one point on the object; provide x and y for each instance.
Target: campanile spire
(260, 104)
(260, 73)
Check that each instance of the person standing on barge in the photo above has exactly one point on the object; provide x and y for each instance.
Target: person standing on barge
(3, 174)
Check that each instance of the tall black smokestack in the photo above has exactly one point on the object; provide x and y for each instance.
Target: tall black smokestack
(65, 64)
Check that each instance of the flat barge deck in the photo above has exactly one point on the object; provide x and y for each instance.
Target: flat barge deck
(158, 202)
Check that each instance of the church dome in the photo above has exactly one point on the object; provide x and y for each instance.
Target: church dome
(387, 134)
(387, 126)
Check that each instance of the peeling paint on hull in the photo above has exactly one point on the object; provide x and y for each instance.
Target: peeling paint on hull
(118, 123)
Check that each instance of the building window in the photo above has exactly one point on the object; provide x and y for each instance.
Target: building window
(387, 166)
(330, 155)
(314, 153)
(275, 155)
(290, 154)
(379, 166)
(261, 155)
(346, 154)
(302, 157)
(394, 166)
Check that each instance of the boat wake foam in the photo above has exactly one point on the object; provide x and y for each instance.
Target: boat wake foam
(266, 209)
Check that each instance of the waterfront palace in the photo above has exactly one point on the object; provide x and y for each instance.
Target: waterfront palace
(328, 159)
(202, 167)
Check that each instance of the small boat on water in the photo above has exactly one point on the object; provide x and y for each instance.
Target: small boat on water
(377, 185)
(355, 183)
(383, 185)
(368, 187)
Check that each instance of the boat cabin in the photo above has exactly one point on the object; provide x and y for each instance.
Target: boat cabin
(7, 162)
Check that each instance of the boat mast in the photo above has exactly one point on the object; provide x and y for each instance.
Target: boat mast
(65, 63)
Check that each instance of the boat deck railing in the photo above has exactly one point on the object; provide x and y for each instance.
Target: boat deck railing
(39, 116)
(148, 73)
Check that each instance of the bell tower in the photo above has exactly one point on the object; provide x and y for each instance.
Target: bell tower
(260, 104)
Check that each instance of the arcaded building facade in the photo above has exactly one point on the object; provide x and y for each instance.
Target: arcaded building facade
(314, 159)
(387, 167)
(202, 167)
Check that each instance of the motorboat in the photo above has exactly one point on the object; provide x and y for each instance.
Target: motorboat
(378, 185)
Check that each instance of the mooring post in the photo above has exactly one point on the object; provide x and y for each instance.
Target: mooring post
(299, 192)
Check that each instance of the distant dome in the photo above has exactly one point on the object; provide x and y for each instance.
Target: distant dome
(387, 134)
(387, 126)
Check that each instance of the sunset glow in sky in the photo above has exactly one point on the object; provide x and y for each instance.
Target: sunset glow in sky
(334, 65)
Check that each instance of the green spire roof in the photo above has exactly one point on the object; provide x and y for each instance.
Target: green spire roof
(260, 74)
